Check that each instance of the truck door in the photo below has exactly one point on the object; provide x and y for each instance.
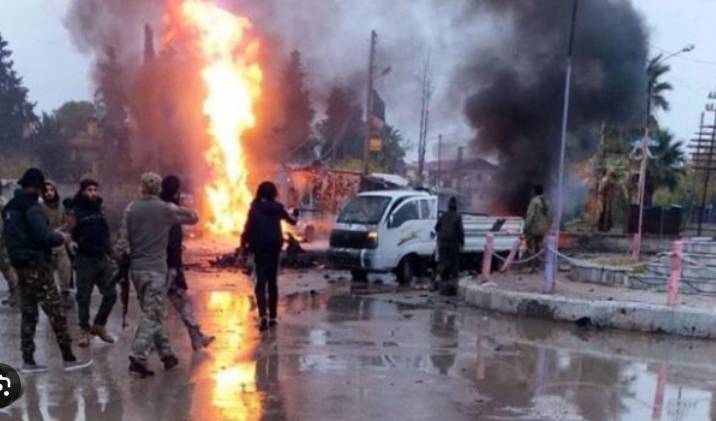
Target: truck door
(406, 231)
(429, 216)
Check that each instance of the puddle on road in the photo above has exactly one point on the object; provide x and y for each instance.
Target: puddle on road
(372, 352)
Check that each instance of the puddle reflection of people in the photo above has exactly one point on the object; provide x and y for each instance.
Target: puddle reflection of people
(443, 327)
(262, 236)
(268, 384)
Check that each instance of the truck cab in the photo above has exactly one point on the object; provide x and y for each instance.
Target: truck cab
(385, 231)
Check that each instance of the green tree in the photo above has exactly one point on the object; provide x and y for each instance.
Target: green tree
(53, 135)
(390, 158)
(52, 148)
(668, 162)
(17, 116)
(341, 132)
(678, 195)
(111, 103)
(298, 113)
(72, 116)
(658, 88)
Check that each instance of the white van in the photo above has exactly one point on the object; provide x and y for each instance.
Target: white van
(394, 231)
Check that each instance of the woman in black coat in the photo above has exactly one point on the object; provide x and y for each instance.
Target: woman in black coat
(263, 237)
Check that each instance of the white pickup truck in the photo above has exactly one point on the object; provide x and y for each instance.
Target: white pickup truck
(394, 231)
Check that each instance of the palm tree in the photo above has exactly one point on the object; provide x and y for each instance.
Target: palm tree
(669, 159)
(655, 71)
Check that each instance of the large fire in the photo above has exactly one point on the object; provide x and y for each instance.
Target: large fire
(233, 76)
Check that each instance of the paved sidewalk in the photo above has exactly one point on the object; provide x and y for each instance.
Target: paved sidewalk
(597, 305)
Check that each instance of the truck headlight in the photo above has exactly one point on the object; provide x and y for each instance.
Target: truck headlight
(372, 239)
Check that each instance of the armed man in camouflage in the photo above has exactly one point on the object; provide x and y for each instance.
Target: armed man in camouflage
(537, 222)
(61, 266)
(29, 243)
(144, 237)
(6, 269)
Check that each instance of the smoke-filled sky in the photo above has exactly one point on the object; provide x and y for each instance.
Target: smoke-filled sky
(333, 36)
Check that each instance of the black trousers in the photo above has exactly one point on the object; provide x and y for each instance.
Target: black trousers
(266, 264)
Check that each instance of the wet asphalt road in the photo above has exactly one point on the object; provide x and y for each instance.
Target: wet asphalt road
(351, 352)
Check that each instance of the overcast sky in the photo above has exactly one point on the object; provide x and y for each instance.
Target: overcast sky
(55, 72)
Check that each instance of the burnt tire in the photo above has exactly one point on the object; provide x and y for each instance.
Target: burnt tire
(407, 269)
(358, 275)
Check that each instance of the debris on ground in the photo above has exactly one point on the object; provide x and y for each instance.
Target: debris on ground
(228, 260)
(294, 257)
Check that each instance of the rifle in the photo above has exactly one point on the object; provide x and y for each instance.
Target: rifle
(121, 277)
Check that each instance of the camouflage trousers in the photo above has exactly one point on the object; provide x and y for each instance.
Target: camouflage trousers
(62, 268)
(151, 290)
(37, 287)
(8, 272)
(181, 301)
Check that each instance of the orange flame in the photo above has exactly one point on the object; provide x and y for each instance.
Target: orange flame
(233, 80)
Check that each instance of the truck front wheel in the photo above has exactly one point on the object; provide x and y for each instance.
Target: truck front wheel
(407, 269)
(359, 275)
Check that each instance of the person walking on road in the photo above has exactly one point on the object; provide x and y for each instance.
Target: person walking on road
(537, 223)
(262, 236)
(29, 243)
(451, 238)
(90, 232)
(171, 187)
(144, 237)
(6, 268)
(57, 218)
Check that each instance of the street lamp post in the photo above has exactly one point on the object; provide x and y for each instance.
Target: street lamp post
(636, 246)
(551, 269)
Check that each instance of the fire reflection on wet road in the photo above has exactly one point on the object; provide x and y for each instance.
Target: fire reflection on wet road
(344, 352)
(234, 396)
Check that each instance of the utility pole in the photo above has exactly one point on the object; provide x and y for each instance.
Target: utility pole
(458, 170)
(439, 178)
(636, 245)
(369, 100)
(703, 159)
(565, 120)
(427, 91)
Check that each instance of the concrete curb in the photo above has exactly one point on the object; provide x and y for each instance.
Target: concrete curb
(625, 315)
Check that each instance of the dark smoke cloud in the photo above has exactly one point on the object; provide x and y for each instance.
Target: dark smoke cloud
(498, 65)
(95, 25)
(517, 82)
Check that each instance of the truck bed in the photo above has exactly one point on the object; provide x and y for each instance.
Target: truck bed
(477, 228)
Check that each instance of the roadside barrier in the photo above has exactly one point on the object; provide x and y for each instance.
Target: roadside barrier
(487, 258)
(550, 266)
(672, 288)
(676, 256)
(511, 257)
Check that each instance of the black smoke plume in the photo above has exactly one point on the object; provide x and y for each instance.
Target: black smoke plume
(518, 81)
(500, 63)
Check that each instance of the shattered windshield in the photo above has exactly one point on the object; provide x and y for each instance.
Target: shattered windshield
(364, 210)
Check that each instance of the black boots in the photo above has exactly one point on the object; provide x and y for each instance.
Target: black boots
(139, 369)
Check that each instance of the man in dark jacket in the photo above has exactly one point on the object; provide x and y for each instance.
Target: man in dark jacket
(90, 231)
(263, 237)
(171, 188)
(451, 237)
(29, 244)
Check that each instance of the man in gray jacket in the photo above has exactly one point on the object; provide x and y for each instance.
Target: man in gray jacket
(144, 237)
